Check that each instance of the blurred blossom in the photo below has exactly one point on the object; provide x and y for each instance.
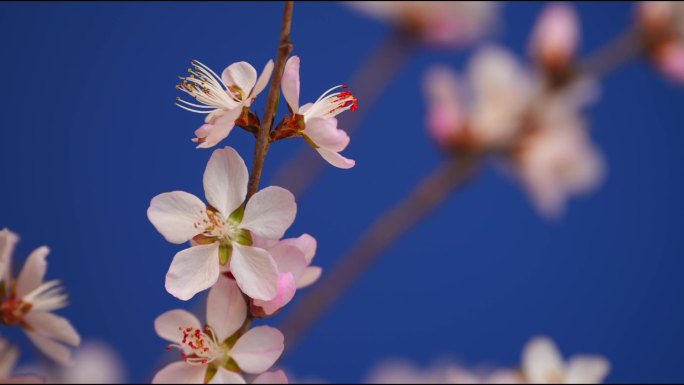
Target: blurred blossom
(543, 364)
(447, 23)
(9, 355)
(556, 37)
(662, 26)
(405, 372)
(93, 363)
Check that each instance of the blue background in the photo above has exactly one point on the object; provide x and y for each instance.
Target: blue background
(90, 135)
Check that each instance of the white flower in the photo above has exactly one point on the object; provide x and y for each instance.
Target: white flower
(30, 302)
(543, 364)
(221, 98)
(217, 348)
(92, 363)
(318, 119)
(443, 23)
(223, 230)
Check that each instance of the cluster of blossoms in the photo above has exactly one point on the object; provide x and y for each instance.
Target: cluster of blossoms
(661, 26)
(542, 363)
(28, 301)
(533, 116)
(237, 245)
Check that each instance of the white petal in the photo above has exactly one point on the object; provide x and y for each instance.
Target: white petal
(263, 79)
(289, 259)
(286, 290)
(9, 355)
(53, 326)
(270, 212)
(542, 361)
(310, 276)
(210, 134)
(224, 376)
(587, 370)
(8, 241)
(325, 134)
(33, 272)
(336, 159)
(175, 214)
(241, 74)
(258, 349)
(226, 308)
(255, 271)
(180, 373)
(168, 325)
(290, 83)
(277, 377)
(193, 270)
(55, 351)
(225, 180)
(306, 243)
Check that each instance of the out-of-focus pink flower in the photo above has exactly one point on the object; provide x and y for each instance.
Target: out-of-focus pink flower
(543, 364)
(556, 37)
(93, 363)
(447, 23)
(9, 356)
(405, 372)
(662, 26)
(211, 349)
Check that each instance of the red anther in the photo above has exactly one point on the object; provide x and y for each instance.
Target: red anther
(354, 107)
(188, 330)
(344, 86)
(204, 362)
(206, 350)
(168, 347)
(185, 357)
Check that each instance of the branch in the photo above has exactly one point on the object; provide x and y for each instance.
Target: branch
(609, 57)
(434, 190)
(262, 143)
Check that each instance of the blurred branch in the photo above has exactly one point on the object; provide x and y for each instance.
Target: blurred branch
(429, 194)
(617, 52)
(371, 79)
(262, 143)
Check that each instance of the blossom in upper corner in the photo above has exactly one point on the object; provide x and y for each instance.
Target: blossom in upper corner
(542, 363)
(223, 230)
(29, 303)
(223, 99)
(556, 38)
(218, 352)
(661, 24)
(447, 24)
(316, 122)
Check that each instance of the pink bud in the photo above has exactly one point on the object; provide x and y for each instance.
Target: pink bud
(556, 36)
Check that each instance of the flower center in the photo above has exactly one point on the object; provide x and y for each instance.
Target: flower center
(13, 311)
(332, 104)
(199, 347)
(215, 228)
(208, 89)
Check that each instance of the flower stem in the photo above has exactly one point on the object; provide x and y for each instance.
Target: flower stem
(618, 51)
(263, 135)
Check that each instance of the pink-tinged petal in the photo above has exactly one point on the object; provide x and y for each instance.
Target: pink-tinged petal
(325, 134)
(175, 214)
(168, 325)
(290, 83)
(289, 259)
(336, 159)
(180, 373)
(541, 361)
(263, 80)
(286, 291)
(224, 376)
(258, 349)
(587, 369)
(8, 241)
(310, 276)
(225, 180)
(255, 272)
(670, 60)
(557, 34)
(270, 212)
(193, 270)
(53, 350)
(226, 308)
(263, 243)
(33, 272)
(53, 327)
(9, 355)
(240, 74)
(277, 377)
(444, 115)
(210, 134)
(305, 243)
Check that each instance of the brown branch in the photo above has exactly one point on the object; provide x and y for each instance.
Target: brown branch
(262, 143)
(434, 190)
(618, 51)
(370, 80)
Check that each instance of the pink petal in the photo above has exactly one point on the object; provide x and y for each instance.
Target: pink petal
(225, 180)
(8, 241)
(270, 212)
(305, 243)
(255, 272)
(53, 350)
(33, 272)
(336, 159)
(210, 134)
(286, 291)
(180, 373)
(241, 74)
(9, 355)
(310, 276)
(224, 376)
(54, 327)
(168, 325)
(174, 215)
(289, 259)
(587, 369)
(263, 80)
(277, 377)
(541, 359)
(290, 83)
(325, 134)
(556, 35)
(258, 349)
(226, 308)
(671, 61)
(444, 115)
(193, 270)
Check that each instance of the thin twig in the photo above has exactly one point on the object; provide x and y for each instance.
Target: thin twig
(262, 143)
(618, 51)
(371, 79)
(387, 229)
